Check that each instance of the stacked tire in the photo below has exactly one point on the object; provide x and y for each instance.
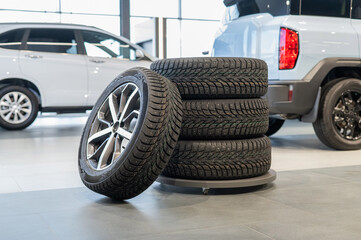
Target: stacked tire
(224, 118)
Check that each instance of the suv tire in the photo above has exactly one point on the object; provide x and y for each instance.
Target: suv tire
(18, 107)
(338, 124)
(220, 160)
(224, 118)
(123, 151)
(215, 77)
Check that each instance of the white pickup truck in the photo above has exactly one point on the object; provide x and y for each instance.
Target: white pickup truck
(312, 48)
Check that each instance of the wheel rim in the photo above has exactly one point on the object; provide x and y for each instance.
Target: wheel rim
(347, 115)
(15, 107)
(113, 126)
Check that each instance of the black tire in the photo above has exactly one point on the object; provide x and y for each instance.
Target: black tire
(151, 144)
(215, 77)
(275, 124)
(335, 119)
(224, 119)
(220, 160)
(30, 105)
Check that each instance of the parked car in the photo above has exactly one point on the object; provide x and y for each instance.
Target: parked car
(312, 48)
(58, 68)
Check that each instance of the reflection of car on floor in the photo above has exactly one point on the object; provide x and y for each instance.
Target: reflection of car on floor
(58, 68)
(313, 54)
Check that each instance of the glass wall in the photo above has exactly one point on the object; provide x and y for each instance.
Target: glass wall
(191, 24)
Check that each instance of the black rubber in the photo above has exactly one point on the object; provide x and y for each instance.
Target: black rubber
(324, 126)
(34, 105)
(152, 144)
(224, 118)
(215, 77)
(220, 160)
(275, 125)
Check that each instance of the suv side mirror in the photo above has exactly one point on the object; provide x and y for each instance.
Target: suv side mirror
(139, 54)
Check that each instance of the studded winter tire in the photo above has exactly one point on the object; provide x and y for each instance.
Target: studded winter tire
(130, 134)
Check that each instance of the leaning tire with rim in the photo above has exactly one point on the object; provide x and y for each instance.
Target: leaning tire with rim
(215, 77)
(18, 107)
(338, 124)
(220, 160)
(130, 134)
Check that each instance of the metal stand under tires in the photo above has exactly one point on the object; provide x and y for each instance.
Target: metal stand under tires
(269, 177)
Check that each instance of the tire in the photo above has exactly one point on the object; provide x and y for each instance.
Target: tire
(220, 160)
(18, 107)
(215, 77)
(338, 123)
(143, 141)
(224, 119)
(275, 124)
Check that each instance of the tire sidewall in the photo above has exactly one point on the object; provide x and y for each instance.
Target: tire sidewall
(330, 101)
(87, 173)
(34, 107)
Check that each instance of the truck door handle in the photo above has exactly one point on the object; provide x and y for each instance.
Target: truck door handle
(96, 61)
(33, 56)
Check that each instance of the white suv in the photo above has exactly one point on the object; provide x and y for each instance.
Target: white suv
(58, 68)
(313, 52)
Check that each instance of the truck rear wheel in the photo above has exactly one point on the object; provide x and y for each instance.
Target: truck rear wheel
(275, 125)
(338, 123)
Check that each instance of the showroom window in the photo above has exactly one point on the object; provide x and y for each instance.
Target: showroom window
(52, 40)
(11, 39)
(102, 45)
(327, 8)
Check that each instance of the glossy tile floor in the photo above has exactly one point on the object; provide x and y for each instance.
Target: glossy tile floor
(317, 194)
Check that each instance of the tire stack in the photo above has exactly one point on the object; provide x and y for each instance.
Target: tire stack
(224, 118)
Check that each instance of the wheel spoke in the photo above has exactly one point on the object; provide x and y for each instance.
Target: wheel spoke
(100, 135)
(130, 101)
(102, 120)
(7, 117)
(98, 152)
(3, 103)
(107, 151)
(349, 95)
(7, 98)
(117, 148)
(124, 133)
(113, 105)
(4, 111)
(21, 116)
(16, 117)
(131, 115)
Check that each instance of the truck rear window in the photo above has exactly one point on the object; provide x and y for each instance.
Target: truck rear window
(327, 8)
(239, 8)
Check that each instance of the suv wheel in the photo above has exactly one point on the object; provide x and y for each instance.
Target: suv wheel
(339, 120)
(18, 107)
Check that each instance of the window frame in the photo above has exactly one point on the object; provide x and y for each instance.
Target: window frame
(28, 31)
(22, 38)
(81, 33)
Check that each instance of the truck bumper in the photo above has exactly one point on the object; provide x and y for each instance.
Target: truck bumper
(291, 97)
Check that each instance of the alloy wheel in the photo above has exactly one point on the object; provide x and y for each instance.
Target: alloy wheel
(15, 107)
(113, 127)
(347, 115)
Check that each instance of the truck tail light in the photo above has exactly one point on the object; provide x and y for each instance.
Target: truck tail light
(289, 46)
